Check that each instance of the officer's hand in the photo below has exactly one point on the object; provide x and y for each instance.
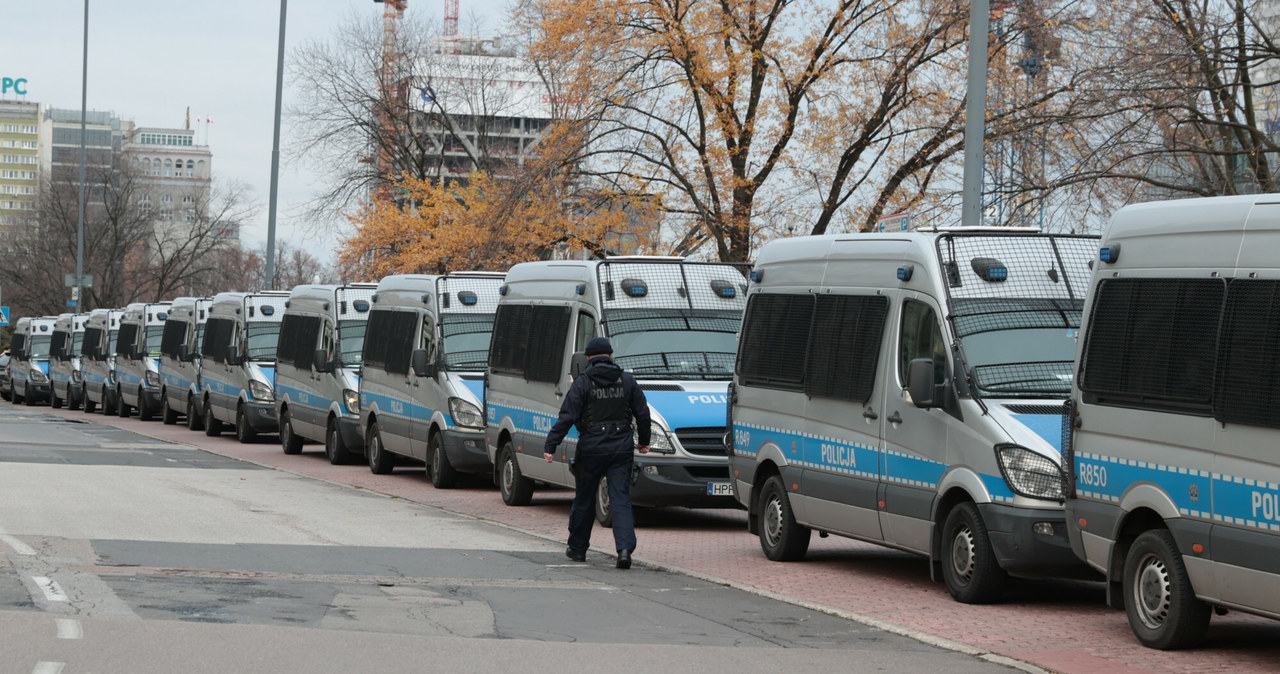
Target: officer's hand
(548, 457)
(643, 450)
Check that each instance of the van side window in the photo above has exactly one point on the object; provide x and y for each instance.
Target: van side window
(92, 340)
(921, 337)
(57, 343)
(773, 347)
(390, 340)
(517, 349)
(175, 334)
(427, 340)
(845, 346)
(127, 340)
(585, 331)
(1152, 343)
(327, 341)
(1249, 355)
(217, 336)
(297, 343)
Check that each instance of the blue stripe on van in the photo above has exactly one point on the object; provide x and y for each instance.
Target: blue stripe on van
(297, 395)
(525, 420)
(1198, 494)
(400, 407)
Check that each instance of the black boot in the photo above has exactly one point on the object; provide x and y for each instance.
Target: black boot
(624, 559)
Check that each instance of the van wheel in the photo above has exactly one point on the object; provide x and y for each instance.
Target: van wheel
(27, 398)
(244, 432)
(122, 409)
(781, 538)
(89, 405)
(517, 490)
(144, 410)
(54, 401)
(969, 564)
(443, 474)
(72, 403)
(14, 397)
(212, 425)
(289, 441)
(108, 403)
(335, 448)
(1162, 606)
(195, 420)
(603, 514)
(380, 460)
(168, 415)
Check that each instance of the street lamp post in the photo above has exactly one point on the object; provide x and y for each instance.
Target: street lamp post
(84, 112)
(275, 157)
(975, 114)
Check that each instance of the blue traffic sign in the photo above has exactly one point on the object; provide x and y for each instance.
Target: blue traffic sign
(4, 315)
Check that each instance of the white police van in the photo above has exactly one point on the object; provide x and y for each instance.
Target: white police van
(909, 389)
(673, 325)
(98, 359)
(66, 381)
(138, 359)
(180, 361)
(29, 359)
(1177, 415)
(425, 351)
(317, 382)
(238, 363)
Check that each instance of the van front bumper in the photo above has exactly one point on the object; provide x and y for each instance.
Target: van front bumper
(151, 398)
(466, 450)
(1022, 552)
(36, 391)
(261, 416)
(664, 482)
(352, 436)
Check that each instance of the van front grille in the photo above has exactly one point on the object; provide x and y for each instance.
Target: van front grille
(703, 441)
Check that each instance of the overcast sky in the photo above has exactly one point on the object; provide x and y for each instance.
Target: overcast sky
(149, 60)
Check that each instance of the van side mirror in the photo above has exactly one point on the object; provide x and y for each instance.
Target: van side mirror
(921, 384)
(578, 365)
(422, 364)
(233, 355)
(184, 354)
(320, 360)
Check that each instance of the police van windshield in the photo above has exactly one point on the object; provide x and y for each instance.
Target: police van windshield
(674, 343)
(263, 338)
(1019, 346)
(351, 340)
(466, 340)
(39, 346)
(154, 334)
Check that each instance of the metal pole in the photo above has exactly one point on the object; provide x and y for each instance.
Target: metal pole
(275, 158)
(975, 113)
(84, 112)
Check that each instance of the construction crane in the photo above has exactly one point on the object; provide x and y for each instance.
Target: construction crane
(392, 91)
(450, 18)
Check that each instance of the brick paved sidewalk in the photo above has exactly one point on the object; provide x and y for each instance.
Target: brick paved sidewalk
(1058, 625)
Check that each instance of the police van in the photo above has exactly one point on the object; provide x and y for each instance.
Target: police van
(29, 359)
(98, 359)
(138, 359)
(1177, 419)
(238, 363)
(66, 381)
(317, 382)
(909, 390)
(180, 361)
(425, 352)
(673, 325)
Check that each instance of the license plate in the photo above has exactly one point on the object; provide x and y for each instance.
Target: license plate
(719, 489)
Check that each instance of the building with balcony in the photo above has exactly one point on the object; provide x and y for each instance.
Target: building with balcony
(19, 163)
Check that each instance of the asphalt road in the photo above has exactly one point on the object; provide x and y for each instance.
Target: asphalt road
(120, 552)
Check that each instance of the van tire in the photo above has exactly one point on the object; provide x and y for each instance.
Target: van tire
(381, 462)
(195, 420)
(168, 415)
(516, 489)
(54, 401)
(89, 405)
(335, 448)
(108, 404)
(122, 409)
(604, 515)
(244, 432)
(443, 474)
(1158, 598)
(781, 538)
(27, 398)
(969, 566)
(290, 442)
(75, 405)
(212, 425)
(144, 411)
(14, 397)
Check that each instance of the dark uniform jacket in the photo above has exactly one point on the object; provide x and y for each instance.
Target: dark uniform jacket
(602, 403)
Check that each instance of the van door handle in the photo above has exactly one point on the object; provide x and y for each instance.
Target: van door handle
(870, 414)
(894, 418)
(559, 394)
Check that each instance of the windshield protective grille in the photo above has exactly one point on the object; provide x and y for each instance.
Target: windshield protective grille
(1024, 378)
(683, 363)
(972, 317)
(1035, 266)
(635, 284)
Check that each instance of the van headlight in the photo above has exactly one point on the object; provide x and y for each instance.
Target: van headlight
(352, 400)
(1030, 474)
(465, 413)
(153, 379)
(260, 391)
(76, 377)
(37, 376)
(659, 441)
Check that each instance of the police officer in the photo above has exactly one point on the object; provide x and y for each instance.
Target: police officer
(602, 403)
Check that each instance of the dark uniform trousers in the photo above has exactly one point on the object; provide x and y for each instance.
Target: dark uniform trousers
(615, 467)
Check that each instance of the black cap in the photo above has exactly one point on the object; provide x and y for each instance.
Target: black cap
(599, 346)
